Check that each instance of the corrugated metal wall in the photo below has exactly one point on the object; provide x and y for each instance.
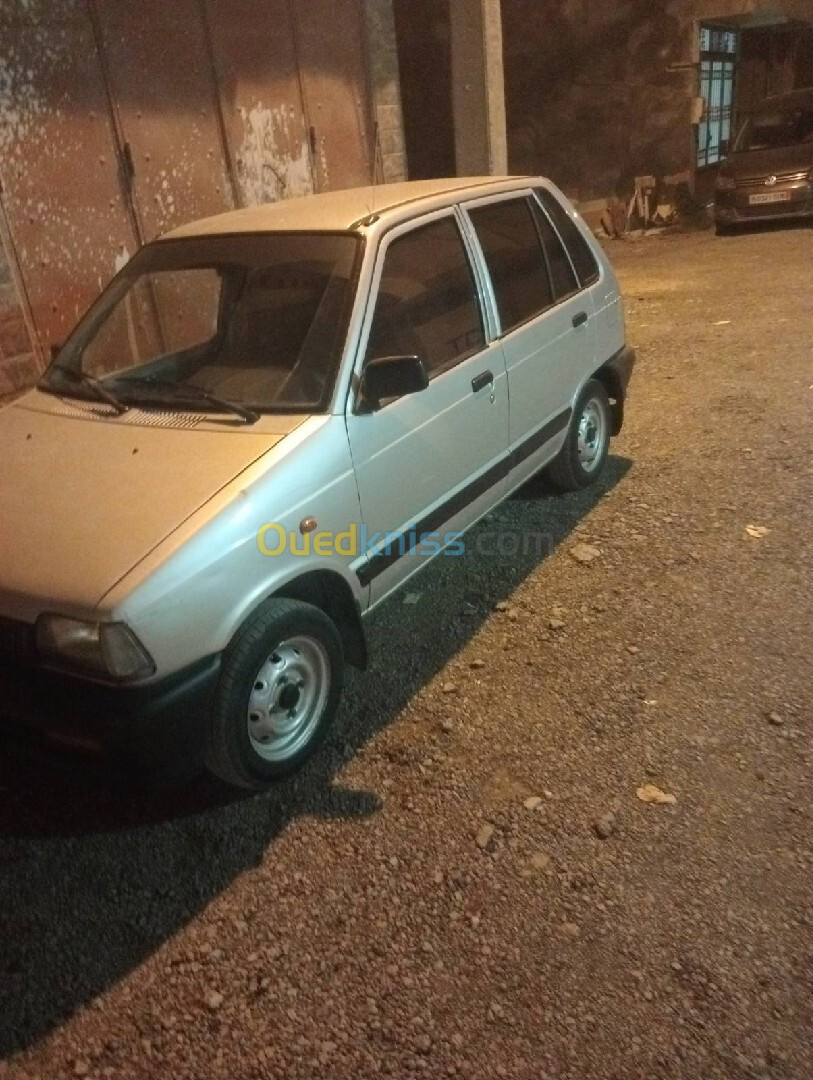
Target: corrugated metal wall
(120, 120)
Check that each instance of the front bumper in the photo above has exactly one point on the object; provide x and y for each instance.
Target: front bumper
(733, 207)
(157, 728)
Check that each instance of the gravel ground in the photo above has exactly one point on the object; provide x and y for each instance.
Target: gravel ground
(466, 883)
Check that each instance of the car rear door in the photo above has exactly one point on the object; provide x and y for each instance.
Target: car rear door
(591, 267)
(429, 463)
(546, 322)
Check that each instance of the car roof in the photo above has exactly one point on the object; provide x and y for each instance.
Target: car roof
(343, 210)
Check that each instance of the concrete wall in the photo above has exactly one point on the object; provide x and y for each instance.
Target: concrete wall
(424, 37)
(773, 61)
(451, 70)
(478, 97)
(590, 97)
(382, 62)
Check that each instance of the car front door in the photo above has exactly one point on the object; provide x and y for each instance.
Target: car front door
(429, 463)
(546, 323)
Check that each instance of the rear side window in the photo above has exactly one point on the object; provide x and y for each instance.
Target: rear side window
(577, 246)
(427, 301)
(514, 259)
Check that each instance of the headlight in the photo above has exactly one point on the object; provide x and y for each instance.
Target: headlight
(725, 183)
(108, 649)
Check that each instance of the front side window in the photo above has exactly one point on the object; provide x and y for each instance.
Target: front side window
(516, 264)
(427, 301)
(258, 321)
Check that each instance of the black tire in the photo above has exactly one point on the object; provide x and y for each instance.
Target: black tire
(572, 469)
(286, 647)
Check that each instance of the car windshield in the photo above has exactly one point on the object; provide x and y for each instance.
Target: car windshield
(774, 130)
(255, 321)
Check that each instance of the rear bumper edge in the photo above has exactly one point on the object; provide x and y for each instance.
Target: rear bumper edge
(620, 366)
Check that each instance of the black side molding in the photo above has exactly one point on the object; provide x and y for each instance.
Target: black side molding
(402, 543)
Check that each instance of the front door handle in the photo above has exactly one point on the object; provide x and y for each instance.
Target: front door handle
(579, 320)
(481, 380)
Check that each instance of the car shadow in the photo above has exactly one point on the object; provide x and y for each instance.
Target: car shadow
(756, 226)
(94, 876)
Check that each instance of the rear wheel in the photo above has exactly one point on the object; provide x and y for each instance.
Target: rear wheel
(581, 460)
(279, 690)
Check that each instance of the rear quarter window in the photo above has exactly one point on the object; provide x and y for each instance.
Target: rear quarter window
(581, 256)
(562, 274)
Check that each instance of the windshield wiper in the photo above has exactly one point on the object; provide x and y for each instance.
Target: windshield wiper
(181, 390)
(83, 379)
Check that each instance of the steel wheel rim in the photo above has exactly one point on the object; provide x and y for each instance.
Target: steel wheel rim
(592, 434)
(288, 696)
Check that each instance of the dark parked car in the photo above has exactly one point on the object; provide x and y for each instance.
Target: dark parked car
(769, 172)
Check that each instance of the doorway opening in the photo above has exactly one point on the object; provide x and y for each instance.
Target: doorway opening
(424, 39)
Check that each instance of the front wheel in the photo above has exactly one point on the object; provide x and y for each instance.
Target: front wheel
(583, 455)
(279, 690)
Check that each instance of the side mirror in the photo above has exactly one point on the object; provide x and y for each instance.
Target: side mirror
(724, 147)
(392, 376)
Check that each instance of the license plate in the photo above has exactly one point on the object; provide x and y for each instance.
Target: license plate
(773, 196)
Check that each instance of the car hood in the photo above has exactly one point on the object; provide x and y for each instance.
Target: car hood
(85, 495)
(783, 159)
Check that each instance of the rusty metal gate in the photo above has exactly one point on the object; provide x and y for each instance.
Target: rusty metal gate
(120, 121)
(255, 56)
(64, 203)
(334, 102)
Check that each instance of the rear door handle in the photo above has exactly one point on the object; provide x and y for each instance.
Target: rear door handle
(580, 319)
(479, 381)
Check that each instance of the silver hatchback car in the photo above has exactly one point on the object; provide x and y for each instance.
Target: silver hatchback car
(265, 425)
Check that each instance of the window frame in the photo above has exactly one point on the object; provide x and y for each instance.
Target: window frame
(97, 313)
(505, 196)
(579, 287)
(387, 239)
(514, 196)
(588, 283)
